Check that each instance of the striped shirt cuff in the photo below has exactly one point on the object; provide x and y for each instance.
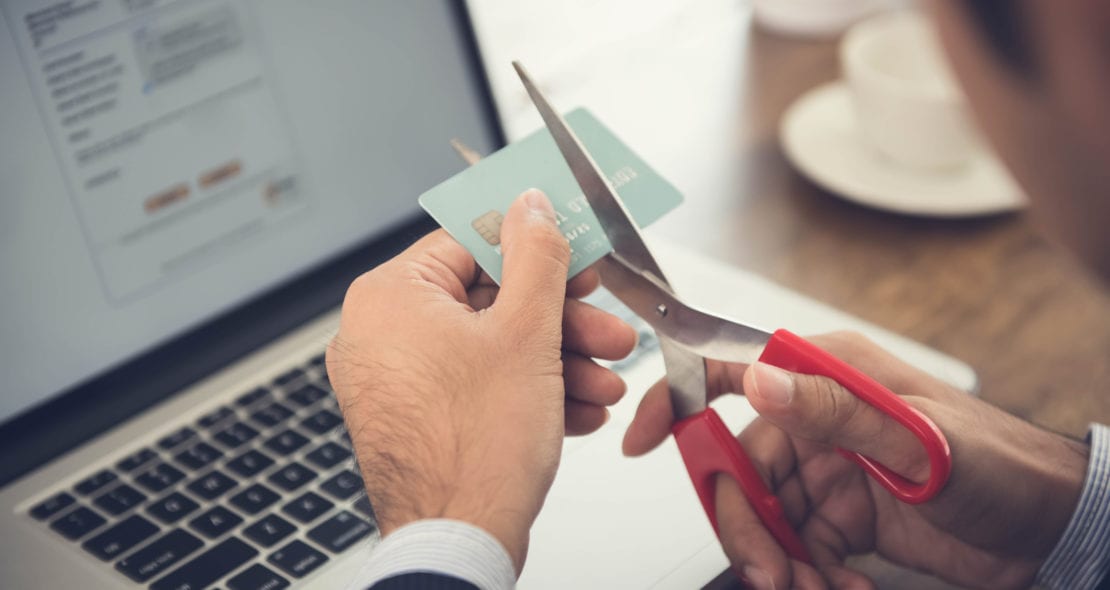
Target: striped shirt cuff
(440, 546)
(1082, 558)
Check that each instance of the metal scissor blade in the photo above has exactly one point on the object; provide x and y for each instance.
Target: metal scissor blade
(620, 228)
(689, 328)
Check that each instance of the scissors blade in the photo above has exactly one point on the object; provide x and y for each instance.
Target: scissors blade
(622, 231)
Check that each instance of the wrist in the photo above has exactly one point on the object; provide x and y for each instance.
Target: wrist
(1081, 558)
(504, 519)
(504, 525)
(1060, 465)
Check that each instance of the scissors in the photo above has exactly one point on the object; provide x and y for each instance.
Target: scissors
(688, 336)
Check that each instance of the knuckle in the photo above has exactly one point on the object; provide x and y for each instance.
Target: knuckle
(360, 288)
(835, 407)
(553, 243)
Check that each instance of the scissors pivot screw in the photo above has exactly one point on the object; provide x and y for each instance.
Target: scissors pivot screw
(661, 310)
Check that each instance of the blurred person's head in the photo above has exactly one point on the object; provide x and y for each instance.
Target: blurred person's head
(1037, 76)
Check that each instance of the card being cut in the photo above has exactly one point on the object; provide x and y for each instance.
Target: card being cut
(471, 205)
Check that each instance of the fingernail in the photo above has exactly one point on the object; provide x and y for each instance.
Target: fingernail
(758, 579)
(773, 384)
(539, 203)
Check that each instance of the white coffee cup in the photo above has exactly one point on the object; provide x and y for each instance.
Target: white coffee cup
(907, 102)
(812, 18)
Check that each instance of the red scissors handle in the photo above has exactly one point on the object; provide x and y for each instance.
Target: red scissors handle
(709, 449)
(797, 355)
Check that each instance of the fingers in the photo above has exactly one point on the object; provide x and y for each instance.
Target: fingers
(655, 416)
(819, 409)
(582, 418)
(752, 550)
(829, 548)
(652, 423)
(590, 387)
(845, 578)
(440, 260)
(589, 382)
(592, 332)
(535, 262)
(583, 283)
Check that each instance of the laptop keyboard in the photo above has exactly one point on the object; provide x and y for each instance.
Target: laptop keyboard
(254, 494)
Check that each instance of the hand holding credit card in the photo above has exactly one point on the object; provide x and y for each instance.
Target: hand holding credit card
(471, 204)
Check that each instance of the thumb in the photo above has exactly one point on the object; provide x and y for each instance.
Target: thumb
(817, 408)
(535, 259)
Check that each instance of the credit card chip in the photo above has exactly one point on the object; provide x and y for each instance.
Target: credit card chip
(488, 225)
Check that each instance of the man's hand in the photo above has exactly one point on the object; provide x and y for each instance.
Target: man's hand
(453, 391)
(1010, 496)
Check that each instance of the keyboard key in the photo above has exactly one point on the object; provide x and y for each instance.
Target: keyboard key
(287, 442)
(177, 438)
(198, 456)
(117, 540)
(308, 507)
(94, 482)
(160, 477)
(215, 417)
(322, 421)
(363, 506)
(340, 531)
(172, 508)
(215, 522)
(292, 476)
(269, 530)
(318, 361)
(77, 523)
(254, 499)
(272, 415)
(236, 435)
(345, 440)
(288, 377)
(343, 485)
(212, 485)
(252, 397)
(159, 556)
(330, 403)
(257, 577)
(136, 460)
(51, 506)
(121, 499)
(308, 395)
(297, 559)
(250, 463)
(208, 567)
(328, 455)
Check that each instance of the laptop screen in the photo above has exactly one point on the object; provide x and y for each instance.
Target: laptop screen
(165, 160)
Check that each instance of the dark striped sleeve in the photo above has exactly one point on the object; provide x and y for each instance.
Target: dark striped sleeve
(423, 581)
(1081, 561)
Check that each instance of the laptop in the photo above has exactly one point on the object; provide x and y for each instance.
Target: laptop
(188, 188)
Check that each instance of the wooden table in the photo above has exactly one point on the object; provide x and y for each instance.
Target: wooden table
(699, 92)
(990, 291)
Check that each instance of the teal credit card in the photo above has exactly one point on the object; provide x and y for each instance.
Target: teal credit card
(471, 204)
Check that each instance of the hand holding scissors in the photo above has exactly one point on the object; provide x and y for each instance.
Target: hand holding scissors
(688, 336)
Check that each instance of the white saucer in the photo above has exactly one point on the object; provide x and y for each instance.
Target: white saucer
(819, 135)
